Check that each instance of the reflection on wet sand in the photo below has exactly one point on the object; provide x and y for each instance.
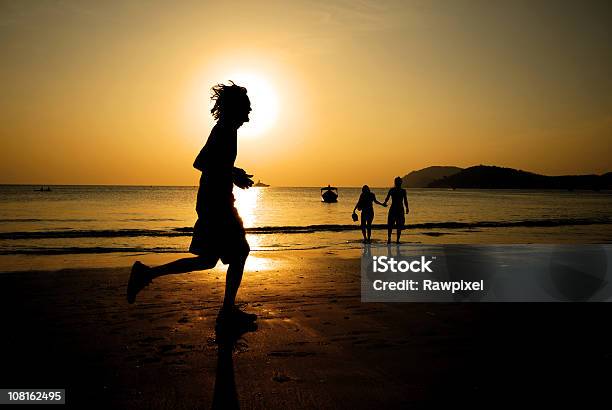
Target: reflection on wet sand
(225, 395)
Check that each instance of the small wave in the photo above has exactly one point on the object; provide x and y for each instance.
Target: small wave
(6, 220)
(101, 233)
(93, 249)
(45, 220)
(71, 250)
(187, 231)
(149, 220)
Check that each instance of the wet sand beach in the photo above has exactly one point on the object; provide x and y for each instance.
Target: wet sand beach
(316, 345)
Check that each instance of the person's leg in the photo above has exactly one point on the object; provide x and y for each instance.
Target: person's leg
(233, 278)
(369, 229)
(229, 312)
(363, 227)
(141, 274)
(389, 226)
(235, 252)
(236, 260)
(183, 265)
(400, 225)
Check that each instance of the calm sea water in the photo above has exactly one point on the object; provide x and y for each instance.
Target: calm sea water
(106, 219)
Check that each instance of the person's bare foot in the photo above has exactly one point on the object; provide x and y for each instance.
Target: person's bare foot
(236, 315)
(139, 279)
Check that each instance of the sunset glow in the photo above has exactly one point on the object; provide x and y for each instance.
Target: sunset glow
(119, 93)
(264, 102)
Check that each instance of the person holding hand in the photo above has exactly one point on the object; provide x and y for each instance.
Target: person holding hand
(396, 217)
(365, 204)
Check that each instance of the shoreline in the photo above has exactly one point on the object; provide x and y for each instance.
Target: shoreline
(265, 246)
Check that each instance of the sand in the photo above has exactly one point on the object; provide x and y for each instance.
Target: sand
(316, 345)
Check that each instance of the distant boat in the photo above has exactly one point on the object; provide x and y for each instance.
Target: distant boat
(261, 184)
(329, 194)
(42, 189)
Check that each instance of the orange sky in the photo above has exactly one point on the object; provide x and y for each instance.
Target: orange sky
(117, 92)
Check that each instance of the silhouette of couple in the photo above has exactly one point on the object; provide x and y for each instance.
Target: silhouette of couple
(395, 218)
(218, 233)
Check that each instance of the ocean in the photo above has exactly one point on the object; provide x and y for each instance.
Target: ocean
(88, 220)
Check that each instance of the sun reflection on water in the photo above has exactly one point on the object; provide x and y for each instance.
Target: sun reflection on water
(247, 201)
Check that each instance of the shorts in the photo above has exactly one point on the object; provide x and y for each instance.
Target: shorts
(396, 218)
(367, 216)
(219, 234)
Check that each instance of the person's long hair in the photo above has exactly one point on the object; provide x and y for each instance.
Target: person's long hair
(228, 99)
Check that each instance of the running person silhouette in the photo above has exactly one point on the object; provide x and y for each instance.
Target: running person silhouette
(365, 204)
(396, 210)
(218, 233)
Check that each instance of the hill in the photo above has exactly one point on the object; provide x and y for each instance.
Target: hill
(423, 177)
(492, 177)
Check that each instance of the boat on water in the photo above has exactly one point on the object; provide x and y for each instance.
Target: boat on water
(260, 184)
(329, 194)
(42, 189)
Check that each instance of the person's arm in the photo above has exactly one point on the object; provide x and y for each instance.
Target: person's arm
(376, 201)
(406, 201)
(241, 178)
(357, 204)
(239, 171)
(387, 198)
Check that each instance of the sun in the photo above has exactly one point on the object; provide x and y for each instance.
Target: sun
(264, 102)
(261, 83)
